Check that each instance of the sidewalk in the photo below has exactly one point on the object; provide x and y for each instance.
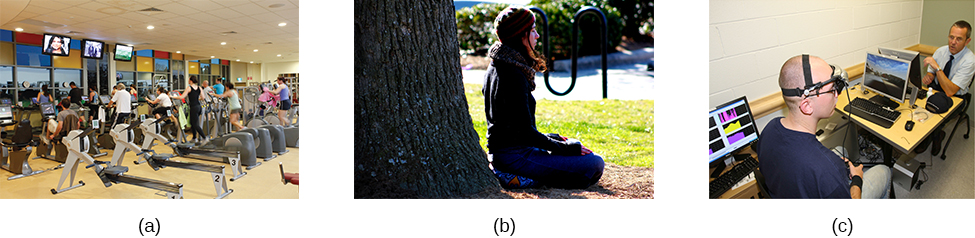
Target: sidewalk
(625, 81)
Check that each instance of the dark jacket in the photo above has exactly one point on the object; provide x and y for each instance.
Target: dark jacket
(510, 106)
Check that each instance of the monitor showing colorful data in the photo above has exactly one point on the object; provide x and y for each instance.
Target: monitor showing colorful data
(731, 128)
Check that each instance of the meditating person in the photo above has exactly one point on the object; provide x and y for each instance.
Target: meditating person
(522, 156)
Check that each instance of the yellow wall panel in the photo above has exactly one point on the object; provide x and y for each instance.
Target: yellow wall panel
(124, 65)
(176, 56)
(144, 64)
(194, 68)
(73, 60)
(6, 53)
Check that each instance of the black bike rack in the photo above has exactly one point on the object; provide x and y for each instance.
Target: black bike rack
(575, 52)
(575, 39)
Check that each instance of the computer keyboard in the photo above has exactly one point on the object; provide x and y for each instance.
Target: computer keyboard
(873, 112)
(730, 178)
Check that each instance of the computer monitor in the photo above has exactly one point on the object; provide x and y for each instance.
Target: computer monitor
(47, 109)
(6, 112)
(105, 99)
(914, 74)
(887, 76)
(732, 128)
(84, 98)
(5, 101)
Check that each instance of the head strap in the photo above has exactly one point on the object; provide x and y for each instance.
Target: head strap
(811, 87)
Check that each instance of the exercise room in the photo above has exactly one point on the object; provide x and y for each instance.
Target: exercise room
(149, 99)
(872, 98)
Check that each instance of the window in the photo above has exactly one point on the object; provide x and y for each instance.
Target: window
(7, 87)
(35, 77)
(143, 85)
(162, 65)
(63, 77)
(28, 55)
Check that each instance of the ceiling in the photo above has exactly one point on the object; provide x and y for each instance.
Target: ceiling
(196, 28)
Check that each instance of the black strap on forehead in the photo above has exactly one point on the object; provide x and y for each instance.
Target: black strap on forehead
(806, 71)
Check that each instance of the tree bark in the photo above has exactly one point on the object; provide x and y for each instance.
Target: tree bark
(413, 134)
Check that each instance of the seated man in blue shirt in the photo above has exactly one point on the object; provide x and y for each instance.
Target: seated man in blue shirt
(794, 162)
(950, 70)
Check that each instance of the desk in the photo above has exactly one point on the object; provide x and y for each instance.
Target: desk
(896, 136)
(747, 191)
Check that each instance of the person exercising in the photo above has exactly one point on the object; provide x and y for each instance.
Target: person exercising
(234, 103)
(124, 101)
(285, 103)
(167, 103)
(192, 94)
(65, 106)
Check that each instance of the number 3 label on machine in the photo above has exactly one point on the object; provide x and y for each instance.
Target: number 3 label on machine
(235, 166)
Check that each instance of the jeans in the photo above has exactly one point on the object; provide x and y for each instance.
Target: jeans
(559, 171)
(876, 182)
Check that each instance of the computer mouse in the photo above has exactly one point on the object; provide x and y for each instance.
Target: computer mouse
(909, 125)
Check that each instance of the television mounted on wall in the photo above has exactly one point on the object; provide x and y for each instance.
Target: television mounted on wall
(92, 49)
(123, 52)
(56, 45)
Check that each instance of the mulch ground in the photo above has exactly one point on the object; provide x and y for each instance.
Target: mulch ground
(617, 182)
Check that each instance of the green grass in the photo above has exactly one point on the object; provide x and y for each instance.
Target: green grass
(621, 131)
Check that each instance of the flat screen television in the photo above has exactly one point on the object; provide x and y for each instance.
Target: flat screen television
(123, 52)
(56, 45)
(92, 49)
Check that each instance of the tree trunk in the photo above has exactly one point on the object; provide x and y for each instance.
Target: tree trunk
(413, 133)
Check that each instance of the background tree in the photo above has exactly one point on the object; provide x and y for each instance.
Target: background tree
(413, 133)
(635, 13)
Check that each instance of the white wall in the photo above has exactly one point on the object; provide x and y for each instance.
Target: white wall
(749, 40)
(271, 70)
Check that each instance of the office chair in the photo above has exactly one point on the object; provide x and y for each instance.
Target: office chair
(763, 191)
(963, 114)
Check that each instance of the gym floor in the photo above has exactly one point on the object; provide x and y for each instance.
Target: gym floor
(262, 182)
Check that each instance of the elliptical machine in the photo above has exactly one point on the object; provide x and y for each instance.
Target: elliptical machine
(221, 147)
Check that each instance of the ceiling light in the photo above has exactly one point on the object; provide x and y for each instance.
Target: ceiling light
(211, 57)
(255, 50)
(282, 24)
(178, 52)
(150, 27)
(223, 43)
(252, 62)
(19, 29)
(238, 60)
(279, 55)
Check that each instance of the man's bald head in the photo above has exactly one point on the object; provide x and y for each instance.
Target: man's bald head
(791, 74)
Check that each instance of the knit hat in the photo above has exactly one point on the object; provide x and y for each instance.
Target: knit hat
(512, 22)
